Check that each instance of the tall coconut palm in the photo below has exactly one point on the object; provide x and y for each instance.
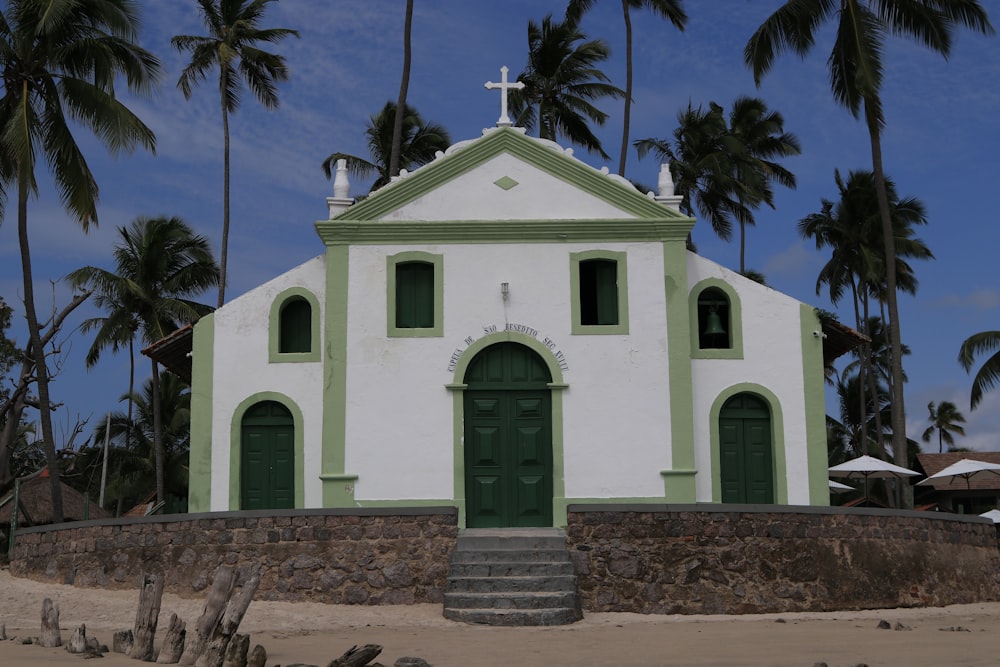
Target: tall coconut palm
(989, 373)
(233, 46)
(61, 62)
(856, 71)
(946, 420)
(421, 140)
(561, 81)
(671, 10)
(851, 228)
(727, 164)
(159, 264)
(404, 85)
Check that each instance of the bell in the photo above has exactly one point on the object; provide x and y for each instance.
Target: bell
(713, 324)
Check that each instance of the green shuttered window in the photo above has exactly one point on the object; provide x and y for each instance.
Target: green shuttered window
(296, 326)
(415, 295)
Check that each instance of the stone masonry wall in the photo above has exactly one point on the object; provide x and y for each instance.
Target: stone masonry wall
(741, 559)
(338, 557)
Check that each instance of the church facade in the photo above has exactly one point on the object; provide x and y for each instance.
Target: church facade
(508, 331)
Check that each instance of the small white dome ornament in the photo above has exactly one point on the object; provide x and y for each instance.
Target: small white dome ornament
(341, 199)
(665, 186)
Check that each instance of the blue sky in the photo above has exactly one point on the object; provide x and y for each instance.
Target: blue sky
(941, 145)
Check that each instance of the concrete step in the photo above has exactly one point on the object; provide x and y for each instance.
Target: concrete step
(511, 584)
(511, 538)
(542, 600)
(514, 617)
(512, 569)
(467, 555)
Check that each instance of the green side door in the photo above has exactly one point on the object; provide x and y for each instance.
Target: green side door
(746, 460)
(267, 458)
(508, 439)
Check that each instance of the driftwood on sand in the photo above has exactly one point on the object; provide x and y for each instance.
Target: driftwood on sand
(215, 604)
(173, 642)
(236, 606)
(150, 596)
(50, 624)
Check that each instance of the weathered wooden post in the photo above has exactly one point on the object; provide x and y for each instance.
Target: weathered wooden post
(215, 650)
(215, 604)
(146, 616)
(50, 625)
(173, 642)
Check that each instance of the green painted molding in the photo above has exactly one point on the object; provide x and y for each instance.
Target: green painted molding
(236, 448)
(813, 383)
(202, 409)
(274, 353)
(397, 232)
(679, 374)
(735, 351)
(556, 387)
(494, 142)
(392, 331)
(334, 440)
(777, 439)
(621, 276)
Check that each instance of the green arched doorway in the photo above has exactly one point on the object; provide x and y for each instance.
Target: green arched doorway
(745, 448)
(508, 439)
(267, 457)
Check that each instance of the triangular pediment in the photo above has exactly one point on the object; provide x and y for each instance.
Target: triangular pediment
(505, 175)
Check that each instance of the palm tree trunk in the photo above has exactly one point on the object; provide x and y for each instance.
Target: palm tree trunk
(863, 403)
(37, 349)
(404, 84)
(743, 247)
(224, 250)
(161, 495)
(627, 113)
(898, 414)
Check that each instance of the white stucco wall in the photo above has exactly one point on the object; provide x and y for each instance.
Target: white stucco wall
(772, 359)
(400, 415)
(242, 370)
(474, 196)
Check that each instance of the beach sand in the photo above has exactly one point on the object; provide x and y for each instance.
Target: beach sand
(314, 633)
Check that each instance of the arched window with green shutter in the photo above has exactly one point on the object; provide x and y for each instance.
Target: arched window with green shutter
(295, 333)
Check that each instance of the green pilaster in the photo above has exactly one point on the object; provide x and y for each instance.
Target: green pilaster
(202, 373)
(338, 487)
(678, 481)
(814, 390)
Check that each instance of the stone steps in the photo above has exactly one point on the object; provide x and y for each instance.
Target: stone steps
(512, 577)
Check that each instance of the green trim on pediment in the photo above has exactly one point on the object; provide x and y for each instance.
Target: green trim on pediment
(361, 232)
(514, 142)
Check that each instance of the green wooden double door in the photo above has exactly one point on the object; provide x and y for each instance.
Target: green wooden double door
(508, 439)
(267, 458)
(746, 458)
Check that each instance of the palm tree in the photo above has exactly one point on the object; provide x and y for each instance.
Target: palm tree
(232, 45)
(856, 71)
(851, 227)
(159, 264)
(727, 164)
(671, 10)
(61, 62)
(420, 142)
(989, 373)
(404, 85)
(945, 419)
(560, 81)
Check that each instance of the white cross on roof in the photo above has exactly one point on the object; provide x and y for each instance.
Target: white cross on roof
(504, 87)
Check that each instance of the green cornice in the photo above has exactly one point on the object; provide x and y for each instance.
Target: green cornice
(357, 232)
(514, 142)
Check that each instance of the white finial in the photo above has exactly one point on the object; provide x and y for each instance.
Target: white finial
(665, 185)
(341, 199)
(341, 184)
(504, 86)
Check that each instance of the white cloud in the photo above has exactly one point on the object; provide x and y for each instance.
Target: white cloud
(986, 298)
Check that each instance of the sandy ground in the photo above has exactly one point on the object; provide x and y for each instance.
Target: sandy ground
(315, 633)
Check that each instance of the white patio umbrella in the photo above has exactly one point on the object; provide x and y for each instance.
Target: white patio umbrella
(992, 514)
(837, 487)
(968, 469)
(869, 466)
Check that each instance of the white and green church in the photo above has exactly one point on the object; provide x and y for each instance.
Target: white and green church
(508, 331)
